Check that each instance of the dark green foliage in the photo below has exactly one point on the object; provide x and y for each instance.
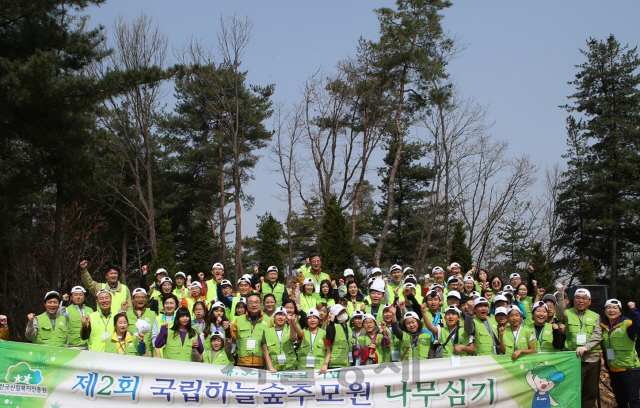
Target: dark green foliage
(599, 201)
(334, 244)
(166, 257)
(542, 271)
(460, 252)
(269, 244)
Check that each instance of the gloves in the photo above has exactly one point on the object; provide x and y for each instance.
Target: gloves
(580, 351)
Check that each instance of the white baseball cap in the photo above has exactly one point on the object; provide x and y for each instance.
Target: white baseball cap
(453, 293)
(196, 283)
(479, 301)
(78, 289)
(225, 282)
(139, 290)
(508, 287)
(101, 291)
(512, 308)
(468, 278)
(52, 294)
(409, 285)
(437, 268)
(436, 286)
(410, 277)
(378, 285)
(500, 310)
(614, 302)
(368, 316)
(474, 293)
(244, 279)
(218, 334)
(410, 314)
(180, 274)
(376, 271)
(357, 314)
(280, 310)
(272, 268)
(514, 275)
(336, 309)
(218, 304)
(433, 293)
(452, 309)
(452, 278)
(395, 267)
(348, 272)
(407, 270)
(162, 270)
(500, 298)
(538, 304)
(165, 279)
(582, 292)
(454, 265)
(307, 281)
(217, 265)
(313, 312)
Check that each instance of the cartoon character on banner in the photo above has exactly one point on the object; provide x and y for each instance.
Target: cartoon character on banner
(542, 379)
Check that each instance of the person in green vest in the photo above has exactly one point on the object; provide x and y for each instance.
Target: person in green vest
(584, 333)
(619, 343)
(376, 294)
(338, 335)
(248, 330)
(158, 297)
(181, 290)
(271, 285)
(451, 337)
(478, 325)
(355, 299)
(51, 327)
(119, 292)
(76, 311)
(549, 337)
(140, 312)
(306, 268)
(374, 340)
(308, 297)
(395, 282)
(244, 290)
(314, 352)
(98, 326)
(414, 342)
(522, 298)
(218, 352)
(328, 294)
(168, 317)
(390, 317)
(122, 341)
(517, 339)
(181, 342)
(217, 276)
(277, 347)
(198, 317)
(315, 273)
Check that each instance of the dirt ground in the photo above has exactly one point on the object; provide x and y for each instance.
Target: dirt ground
(606, 397)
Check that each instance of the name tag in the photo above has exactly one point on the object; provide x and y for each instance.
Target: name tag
(455, 361)
(282, 359)
(311, 361)
(395, 355)
(251, 344)
(581, 339)
(317, 288)
(105, 335)
(610, 354)
(351, 357)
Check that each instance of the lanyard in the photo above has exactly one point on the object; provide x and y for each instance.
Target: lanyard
(515, 336)
(313, 338)
(253, 325)
(122, 343)
(103, 322)
(279, 334)
(580, 318)
(539, 335)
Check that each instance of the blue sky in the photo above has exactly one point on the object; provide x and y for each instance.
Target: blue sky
(518, 59)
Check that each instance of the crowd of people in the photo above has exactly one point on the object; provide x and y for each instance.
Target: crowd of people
(314, 322)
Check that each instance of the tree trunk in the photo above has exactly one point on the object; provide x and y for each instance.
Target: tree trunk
(614, 259)
(239, 270)
(223, 201)
(123, 255)
(54, 282)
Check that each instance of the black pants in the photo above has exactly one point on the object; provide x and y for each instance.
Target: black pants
(590, 384)
(626, 388)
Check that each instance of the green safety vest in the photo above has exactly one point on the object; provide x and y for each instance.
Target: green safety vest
(510, 341)
(379, 315)
(276, 347)
(248, 331)
(546, 338)
(575, 326)
(116, 297)
(379, 348)
(307, 302)
(175, 349)
(527, 303)
(317, 349)
(75, 325)
(341, 347)
(162, 319)
(220, 358)
(624, 349)
(179, 294)
(48, 335)
(316, 282)
(482, 339)
(130, 346)
(415, 351)
(231, 313)
(99, 325)
(391, 353)
(463, 338)
(277, 291)
(149, 316)
(350, 308)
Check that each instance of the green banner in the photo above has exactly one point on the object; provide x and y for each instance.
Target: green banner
(39, 376)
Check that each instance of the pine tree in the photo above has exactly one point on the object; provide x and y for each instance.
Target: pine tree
(336, 248)
(269, 245)
(166, 257)
(608, 100)
(542, 271)
(460, 252)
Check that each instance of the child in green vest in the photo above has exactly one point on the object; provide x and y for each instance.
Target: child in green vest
(516, 339)
(415, 343)
(277, 347)
(182, 341)
(123, 342)
(451, 336)
(549, 338)
(218, 353)
(314, 352)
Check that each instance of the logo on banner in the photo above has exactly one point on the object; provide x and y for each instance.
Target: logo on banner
(22, 373)
(542, 379)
